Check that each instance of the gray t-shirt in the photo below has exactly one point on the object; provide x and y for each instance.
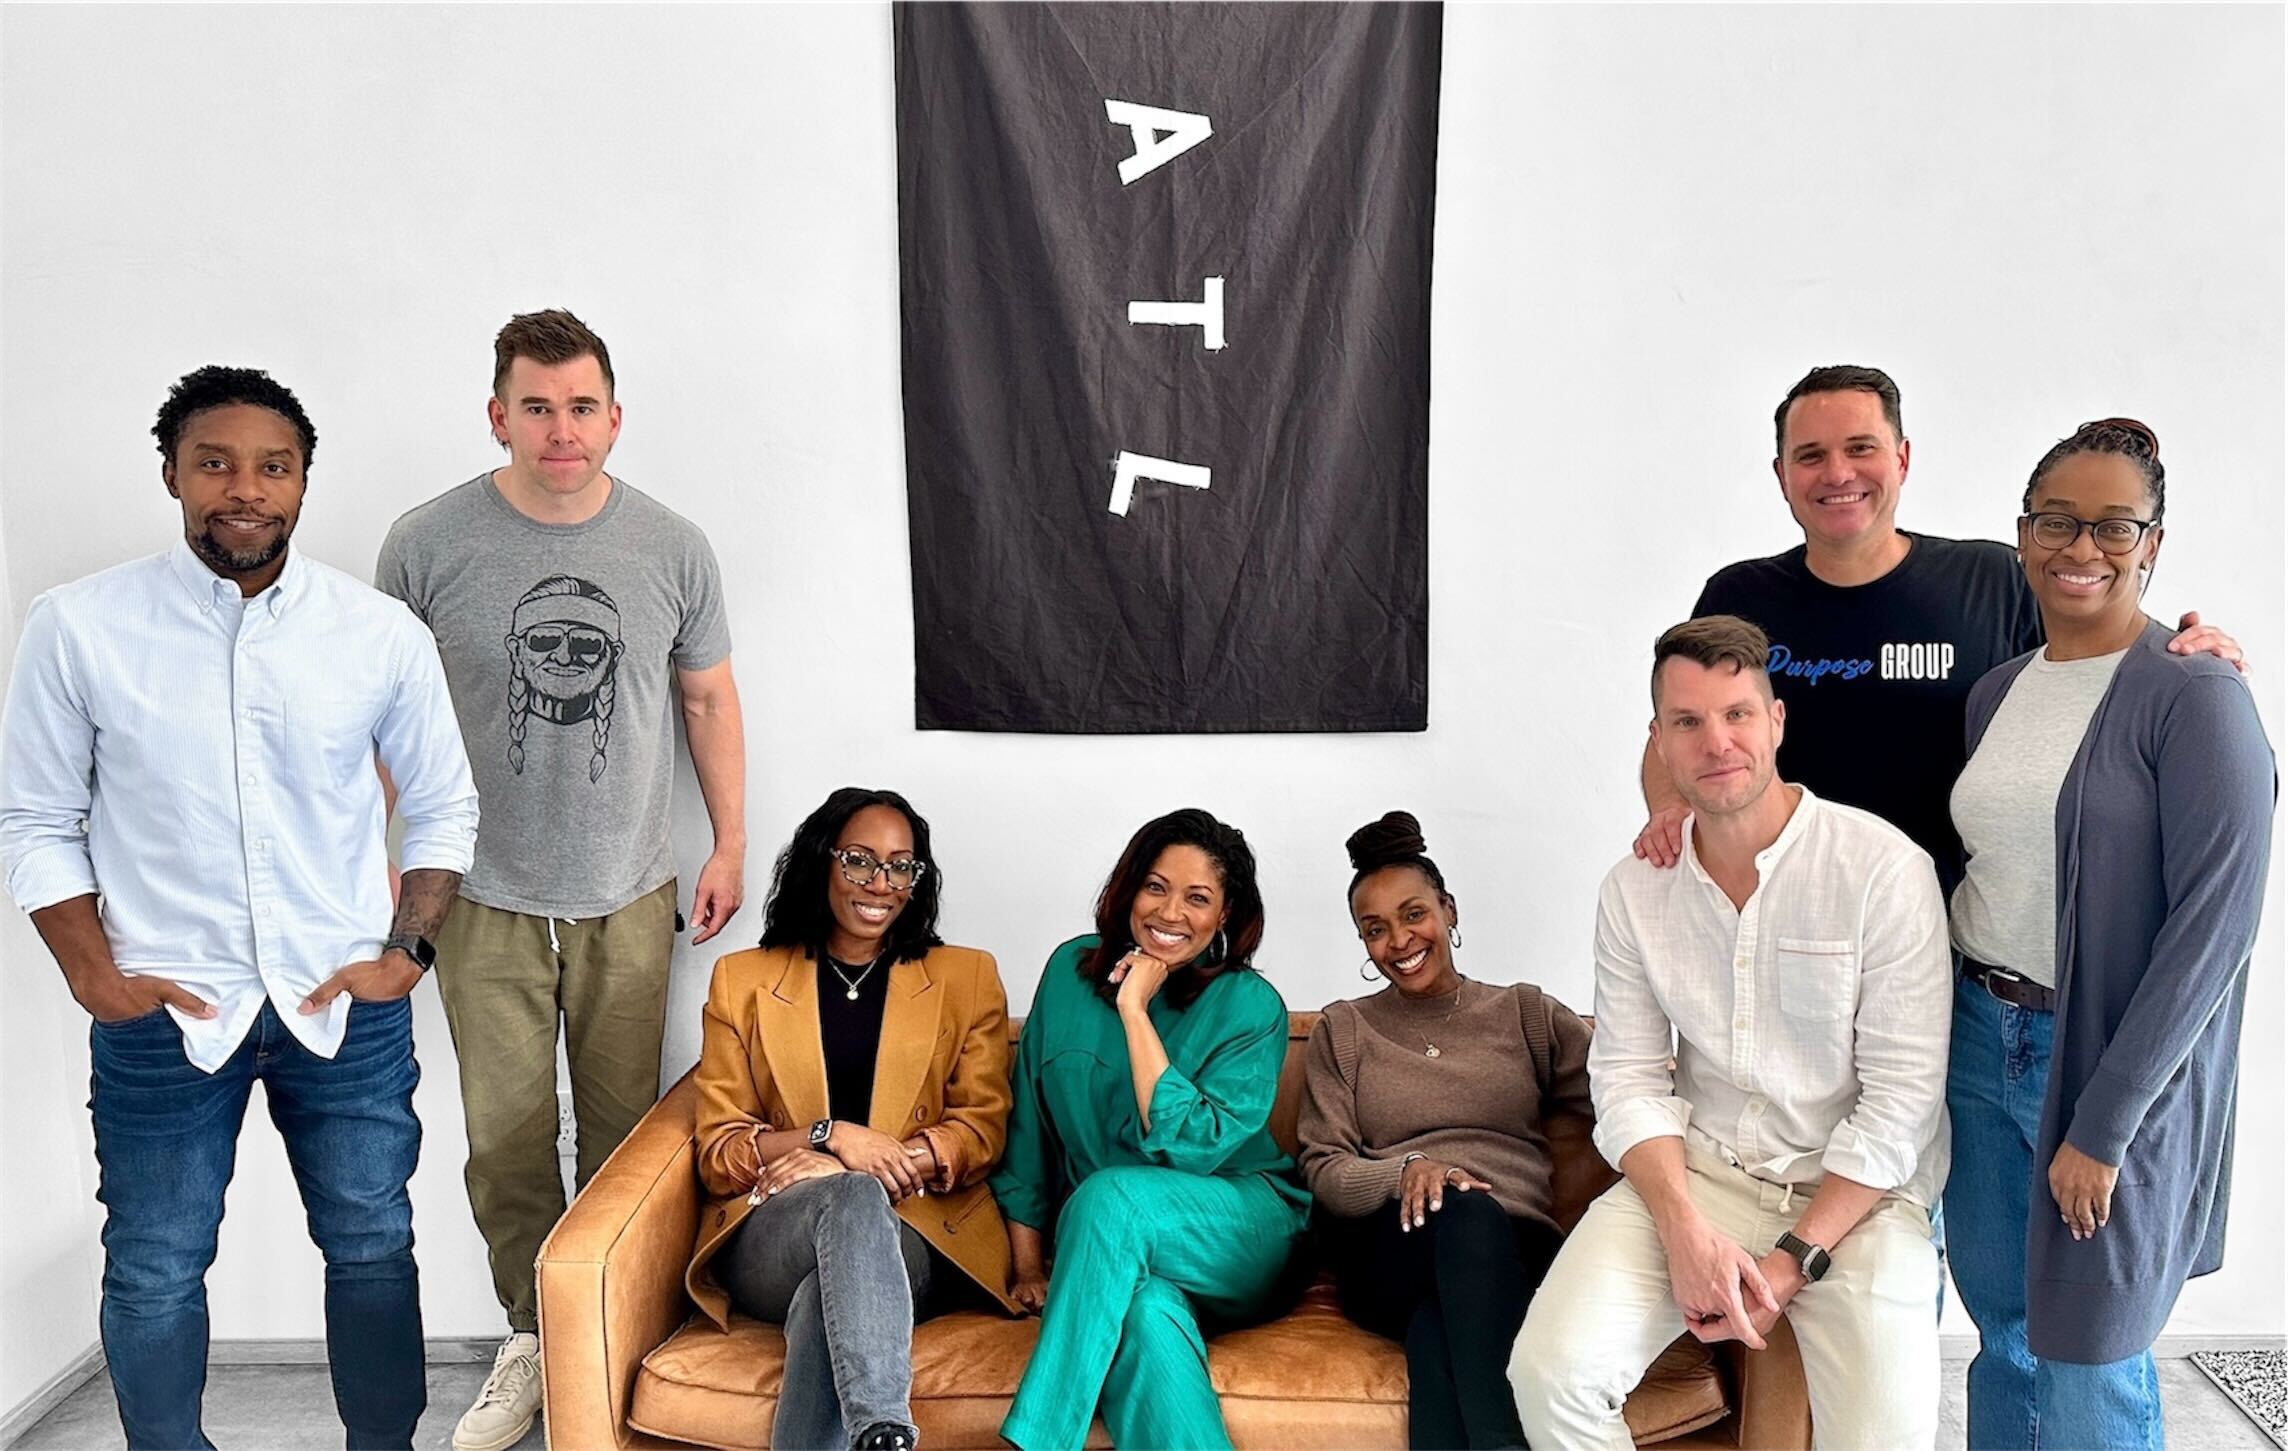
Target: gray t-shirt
(2005, 804)
(557, 641)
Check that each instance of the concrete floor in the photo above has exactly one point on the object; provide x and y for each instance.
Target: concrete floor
(264, 1408)
(289, 1407)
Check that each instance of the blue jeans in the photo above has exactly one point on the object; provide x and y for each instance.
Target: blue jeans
(1994, 1085)
(166, 1140)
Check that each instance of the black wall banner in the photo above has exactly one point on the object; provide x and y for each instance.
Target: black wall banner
(1165, 273)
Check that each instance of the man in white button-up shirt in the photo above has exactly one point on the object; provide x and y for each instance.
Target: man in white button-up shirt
(190, 812)
(1769, 1070)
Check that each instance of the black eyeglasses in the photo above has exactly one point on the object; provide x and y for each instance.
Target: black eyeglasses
(2112, 536)
(859, 867)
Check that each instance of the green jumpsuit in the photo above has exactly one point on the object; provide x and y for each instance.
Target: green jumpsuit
(1147, 1229)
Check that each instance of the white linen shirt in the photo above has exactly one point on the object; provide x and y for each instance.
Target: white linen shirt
(1809, 1027)
(209, 771)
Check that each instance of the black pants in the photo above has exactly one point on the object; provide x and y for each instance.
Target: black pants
(1454, 1292)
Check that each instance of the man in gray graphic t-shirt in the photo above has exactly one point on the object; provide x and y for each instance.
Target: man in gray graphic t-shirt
(571, 611)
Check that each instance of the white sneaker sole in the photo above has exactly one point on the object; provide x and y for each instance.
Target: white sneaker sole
(499, 1442)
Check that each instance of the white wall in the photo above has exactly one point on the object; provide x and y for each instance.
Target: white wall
(49, 1259)
(1651, 221)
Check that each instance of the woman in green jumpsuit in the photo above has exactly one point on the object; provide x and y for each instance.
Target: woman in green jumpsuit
(1140, 1155)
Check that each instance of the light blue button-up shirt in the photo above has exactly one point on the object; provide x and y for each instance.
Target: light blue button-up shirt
(205, 763)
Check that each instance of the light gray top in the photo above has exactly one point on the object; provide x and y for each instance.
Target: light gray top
(558, 641)
(2005, 807)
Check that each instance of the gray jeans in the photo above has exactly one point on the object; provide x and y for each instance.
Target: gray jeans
(830, 1261)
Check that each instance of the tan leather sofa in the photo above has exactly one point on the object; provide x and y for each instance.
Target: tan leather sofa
(628, 1362)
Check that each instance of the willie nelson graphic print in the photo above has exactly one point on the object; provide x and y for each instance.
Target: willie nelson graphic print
(562, 644)
(564, 651)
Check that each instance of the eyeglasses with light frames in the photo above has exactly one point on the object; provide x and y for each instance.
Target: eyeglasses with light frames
(860, 866)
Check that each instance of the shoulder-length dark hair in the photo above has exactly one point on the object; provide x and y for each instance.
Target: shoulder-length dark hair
(796, 913)
(1243, 903)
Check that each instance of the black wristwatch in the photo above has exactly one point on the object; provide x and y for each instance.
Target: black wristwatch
(1812, 1259)
(820, 1132)
(414, 945)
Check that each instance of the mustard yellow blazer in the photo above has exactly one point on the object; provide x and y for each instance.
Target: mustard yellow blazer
(942, 1071)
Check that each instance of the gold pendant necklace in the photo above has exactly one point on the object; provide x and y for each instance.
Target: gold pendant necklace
(1430, 1049)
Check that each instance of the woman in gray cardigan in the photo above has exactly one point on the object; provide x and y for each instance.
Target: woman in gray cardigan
(2117, 814)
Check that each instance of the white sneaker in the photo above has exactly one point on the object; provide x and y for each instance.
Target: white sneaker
(510, 1399)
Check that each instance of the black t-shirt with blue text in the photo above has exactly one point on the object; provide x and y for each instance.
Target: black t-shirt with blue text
(1876, 676)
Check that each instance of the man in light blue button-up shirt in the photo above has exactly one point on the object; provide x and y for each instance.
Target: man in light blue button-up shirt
(190, 811)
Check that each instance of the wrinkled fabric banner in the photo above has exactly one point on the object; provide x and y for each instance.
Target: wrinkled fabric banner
(1165, 286)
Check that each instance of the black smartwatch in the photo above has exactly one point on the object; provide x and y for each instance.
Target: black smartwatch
(414, 945)
(820, 1132)
(1812, 1259)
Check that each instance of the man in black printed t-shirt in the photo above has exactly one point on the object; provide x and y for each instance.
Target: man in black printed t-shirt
(1877, 633)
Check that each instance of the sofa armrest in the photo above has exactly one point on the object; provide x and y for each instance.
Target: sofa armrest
(1768, 1387)
(611, 1275)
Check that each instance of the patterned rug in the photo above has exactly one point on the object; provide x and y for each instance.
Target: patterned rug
(2257, 1381)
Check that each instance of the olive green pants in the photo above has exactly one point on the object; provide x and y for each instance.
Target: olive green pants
(507, 979)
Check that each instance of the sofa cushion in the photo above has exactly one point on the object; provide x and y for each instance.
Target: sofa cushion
(1309, 1378)
(1680, 1393)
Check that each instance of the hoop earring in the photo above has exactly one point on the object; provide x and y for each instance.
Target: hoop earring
(1222, 947)
(1366, 971)
(1454, 936)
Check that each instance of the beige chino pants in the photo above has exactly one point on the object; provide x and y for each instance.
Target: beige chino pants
(507, 979)
(1869, 1339)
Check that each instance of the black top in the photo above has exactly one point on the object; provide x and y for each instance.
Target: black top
(850, 1032)
(1876, 676)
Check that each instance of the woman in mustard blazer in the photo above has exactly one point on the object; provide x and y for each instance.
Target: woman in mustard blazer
(853, 1094)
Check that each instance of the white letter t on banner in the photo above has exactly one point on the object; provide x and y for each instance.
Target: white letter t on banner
(1206, 314)
(1161, 136)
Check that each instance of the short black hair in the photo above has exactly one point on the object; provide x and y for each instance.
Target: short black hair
(215, 386)
(1839, 378)
(797, 914)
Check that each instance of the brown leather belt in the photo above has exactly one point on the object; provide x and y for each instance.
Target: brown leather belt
(2014, 988)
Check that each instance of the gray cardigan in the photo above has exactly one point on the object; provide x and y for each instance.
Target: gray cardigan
(2164, 829)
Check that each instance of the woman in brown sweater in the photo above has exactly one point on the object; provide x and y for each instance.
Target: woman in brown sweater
(1422, 1144)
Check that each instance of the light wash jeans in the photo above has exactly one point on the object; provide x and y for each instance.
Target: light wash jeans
(2018, 1401)
(831, 1262)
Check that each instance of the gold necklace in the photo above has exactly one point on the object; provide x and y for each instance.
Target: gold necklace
(1430, 1049)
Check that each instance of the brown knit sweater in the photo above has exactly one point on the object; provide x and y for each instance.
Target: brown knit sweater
(1371, 1096)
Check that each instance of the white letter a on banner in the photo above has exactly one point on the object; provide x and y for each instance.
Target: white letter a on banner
(1161, 136)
